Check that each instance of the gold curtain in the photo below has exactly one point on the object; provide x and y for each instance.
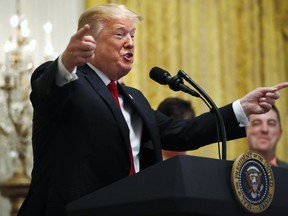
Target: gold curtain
(227, 47)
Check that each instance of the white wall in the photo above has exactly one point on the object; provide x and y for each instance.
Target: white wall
(63, 14)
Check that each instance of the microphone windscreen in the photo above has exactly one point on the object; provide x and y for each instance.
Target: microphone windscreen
(159, 75)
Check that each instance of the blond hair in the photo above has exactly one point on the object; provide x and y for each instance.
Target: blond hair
(98, 15)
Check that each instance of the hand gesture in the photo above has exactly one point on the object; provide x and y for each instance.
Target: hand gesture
(261, 99)
(80, 49)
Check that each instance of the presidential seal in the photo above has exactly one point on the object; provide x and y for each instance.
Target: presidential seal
(252, 182)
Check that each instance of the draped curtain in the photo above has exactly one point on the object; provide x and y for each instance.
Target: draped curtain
(227, 47)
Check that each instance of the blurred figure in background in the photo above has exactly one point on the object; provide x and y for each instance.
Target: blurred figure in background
(176, 108)
(263, 133)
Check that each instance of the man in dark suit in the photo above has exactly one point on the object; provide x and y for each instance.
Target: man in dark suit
(82, 140)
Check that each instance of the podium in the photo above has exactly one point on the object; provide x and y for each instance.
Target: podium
(182, 185)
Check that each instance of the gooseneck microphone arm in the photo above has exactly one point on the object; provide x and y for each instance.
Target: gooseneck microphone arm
(176, 83)
(214, 108)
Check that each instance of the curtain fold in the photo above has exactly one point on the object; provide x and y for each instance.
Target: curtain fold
(228, 47)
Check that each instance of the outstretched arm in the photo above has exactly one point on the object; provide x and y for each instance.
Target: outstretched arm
(261, 99)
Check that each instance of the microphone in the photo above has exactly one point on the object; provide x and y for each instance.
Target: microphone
(175, 83)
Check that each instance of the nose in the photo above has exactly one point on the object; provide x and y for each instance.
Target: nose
(264, 127)
(129, 41)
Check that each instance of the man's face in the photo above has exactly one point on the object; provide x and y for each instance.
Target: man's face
(263, 132)
(114, 54)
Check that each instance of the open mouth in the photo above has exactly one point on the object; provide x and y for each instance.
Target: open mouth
(128, 56)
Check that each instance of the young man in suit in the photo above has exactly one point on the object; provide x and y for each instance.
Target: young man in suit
(82, 141)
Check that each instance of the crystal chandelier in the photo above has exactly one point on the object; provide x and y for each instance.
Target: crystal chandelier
(15, 126)
(16, 110)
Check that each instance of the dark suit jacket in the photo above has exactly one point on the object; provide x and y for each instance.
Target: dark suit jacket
(282, 164)
(81, 139)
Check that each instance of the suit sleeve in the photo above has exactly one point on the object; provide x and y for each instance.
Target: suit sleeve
(200, 131)
(47, 97)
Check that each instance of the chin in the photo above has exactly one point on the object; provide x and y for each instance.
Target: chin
(126, 70)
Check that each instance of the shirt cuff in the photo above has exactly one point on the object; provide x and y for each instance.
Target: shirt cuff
(240, 114)
(64, 76)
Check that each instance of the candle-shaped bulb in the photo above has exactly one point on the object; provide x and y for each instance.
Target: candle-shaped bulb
(14, 21)
(48, 27)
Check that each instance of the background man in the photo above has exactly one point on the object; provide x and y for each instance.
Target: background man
(176, 108)
(263, 134)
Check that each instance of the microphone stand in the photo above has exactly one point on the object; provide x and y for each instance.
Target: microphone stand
(213, 109)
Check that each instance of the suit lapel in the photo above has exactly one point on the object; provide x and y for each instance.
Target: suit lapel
(101, 89)
(135, 105)
(149, 151)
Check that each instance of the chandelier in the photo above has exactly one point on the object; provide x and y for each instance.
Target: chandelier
(16, 110)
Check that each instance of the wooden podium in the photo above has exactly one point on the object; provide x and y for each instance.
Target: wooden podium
(182, 185)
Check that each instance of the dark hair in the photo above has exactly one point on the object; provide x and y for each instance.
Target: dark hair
(277, 113)
(177, 108)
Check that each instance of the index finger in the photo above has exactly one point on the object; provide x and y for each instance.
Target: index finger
(82, 31)
(280, 85)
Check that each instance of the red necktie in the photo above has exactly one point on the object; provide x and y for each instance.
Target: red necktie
(114, 91)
